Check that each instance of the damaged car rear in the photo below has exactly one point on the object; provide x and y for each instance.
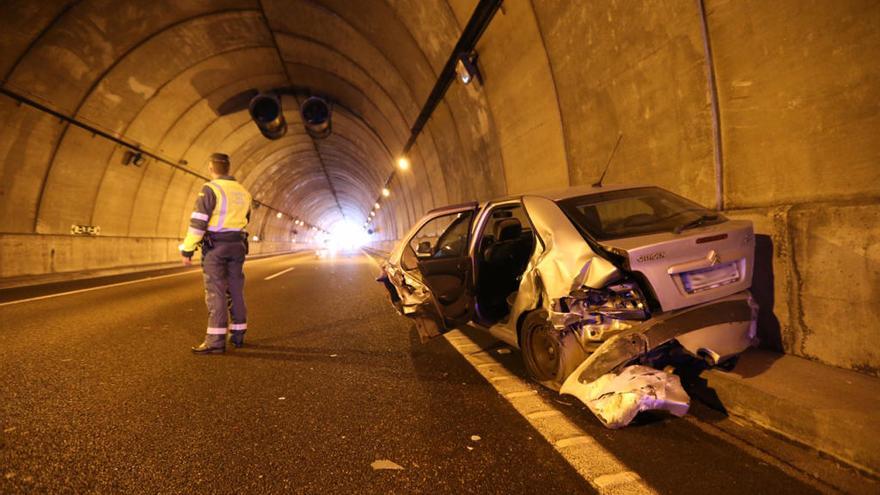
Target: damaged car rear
(601, 288)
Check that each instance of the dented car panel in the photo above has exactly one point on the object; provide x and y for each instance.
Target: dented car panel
(606, 307)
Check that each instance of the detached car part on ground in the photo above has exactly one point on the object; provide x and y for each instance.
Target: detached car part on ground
(601, 288)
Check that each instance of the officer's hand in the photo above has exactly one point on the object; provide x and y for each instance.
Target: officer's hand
(186, 261)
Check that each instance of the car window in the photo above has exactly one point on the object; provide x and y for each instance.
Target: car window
(453, 242)
(632, 212)
(443, 237)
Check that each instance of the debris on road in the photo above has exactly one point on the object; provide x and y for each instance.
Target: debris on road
(282, 398)
(475, 438)
(381, 464)
(616, 398)
(503, 350)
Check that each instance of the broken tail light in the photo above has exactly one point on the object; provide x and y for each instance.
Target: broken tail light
(596, 312)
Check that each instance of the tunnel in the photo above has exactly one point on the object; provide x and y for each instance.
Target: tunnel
(349, 121)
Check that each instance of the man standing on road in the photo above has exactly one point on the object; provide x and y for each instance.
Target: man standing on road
(222, 210)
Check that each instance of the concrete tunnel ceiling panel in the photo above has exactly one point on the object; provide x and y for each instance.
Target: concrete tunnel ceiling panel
(162, 76)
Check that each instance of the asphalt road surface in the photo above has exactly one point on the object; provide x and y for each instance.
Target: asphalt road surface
(100, 393)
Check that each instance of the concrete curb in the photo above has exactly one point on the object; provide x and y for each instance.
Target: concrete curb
(832, 410)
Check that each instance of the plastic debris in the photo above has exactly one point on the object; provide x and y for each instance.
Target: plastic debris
(616, 398)
(385, 464)
(475, 438)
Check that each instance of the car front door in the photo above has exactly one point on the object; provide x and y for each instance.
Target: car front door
(437, 255)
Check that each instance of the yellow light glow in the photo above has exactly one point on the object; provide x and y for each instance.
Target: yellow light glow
(403, 163)
(386, 192)
(278, 215)
(376, 206)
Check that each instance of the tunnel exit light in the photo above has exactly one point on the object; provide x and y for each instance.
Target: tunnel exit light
(347, 236)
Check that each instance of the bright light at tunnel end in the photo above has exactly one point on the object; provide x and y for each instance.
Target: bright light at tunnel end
(346, 236)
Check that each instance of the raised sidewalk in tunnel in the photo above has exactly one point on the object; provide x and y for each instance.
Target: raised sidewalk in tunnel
(833, 410)
(829, 409)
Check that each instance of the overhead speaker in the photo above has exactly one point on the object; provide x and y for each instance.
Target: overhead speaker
(315, 113)
(265, 110)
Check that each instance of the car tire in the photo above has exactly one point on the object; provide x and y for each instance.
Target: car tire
(549, 357)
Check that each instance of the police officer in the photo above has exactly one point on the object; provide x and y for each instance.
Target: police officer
(217, 225)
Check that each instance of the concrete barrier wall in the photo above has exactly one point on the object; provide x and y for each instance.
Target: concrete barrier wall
(40, 257)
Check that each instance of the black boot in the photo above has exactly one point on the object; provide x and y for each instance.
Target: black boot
(213, 344)
(236, 337)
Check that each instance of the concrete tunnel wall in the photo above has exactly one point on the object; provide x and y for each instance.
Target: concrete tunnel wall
(797, 84)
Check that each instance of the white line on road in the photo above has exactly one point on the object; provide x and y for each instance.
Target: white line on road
(282, 272)
(599, 467)
(118, 284)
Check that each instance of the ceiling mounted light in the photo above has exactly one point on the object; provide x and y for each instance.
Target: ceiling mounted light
(466, 68)
(279, 215)
(386, 192)
(403, 163)
(376, 206)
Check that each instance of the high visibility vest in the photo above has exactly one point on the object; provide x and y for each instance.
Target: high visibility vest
(223, 205)
(231, 208)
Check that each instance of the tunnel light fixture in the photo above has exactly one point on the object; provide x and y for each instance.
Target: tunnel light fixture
(376, 206)
(466, 68)
(133, 157)
(279, 215)
(386, 192)
(403, 163)
(255, 238)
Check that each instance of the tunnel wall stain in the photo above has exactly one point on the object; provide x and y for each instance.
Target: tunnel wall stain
(798, 93)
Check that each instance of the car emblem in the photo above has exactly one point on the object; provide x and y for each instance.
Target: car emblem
(713, 258)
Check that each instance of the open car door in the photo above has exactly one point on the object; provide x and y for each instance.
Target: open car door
(437, 255)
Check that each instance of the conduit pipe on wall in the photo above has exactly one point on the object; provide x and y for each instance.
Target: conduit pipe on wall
(120, 140)
(716, 114)
(483, 14)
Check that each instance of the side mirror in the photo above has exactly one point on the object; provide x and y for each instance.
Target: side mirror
(424, 250)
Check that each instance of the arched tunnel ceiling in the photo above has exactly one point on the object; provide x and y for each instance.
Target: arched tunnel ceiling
(157, 74)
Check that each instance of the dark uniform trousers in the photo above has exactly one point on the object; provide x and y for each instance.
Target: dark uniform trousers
(224, 281)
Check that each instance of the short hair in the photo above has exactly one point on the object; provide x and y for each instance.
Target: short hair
(220, 163)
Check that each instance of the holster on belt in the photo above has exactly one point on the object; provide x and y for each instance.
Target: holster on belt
(211, 238)
(207, 242)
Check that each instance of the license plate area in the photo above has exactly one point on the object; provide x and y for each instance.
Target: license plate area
(710, 278)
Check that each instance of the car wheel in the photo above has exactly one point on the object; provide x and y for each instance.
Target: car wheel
(542, 351)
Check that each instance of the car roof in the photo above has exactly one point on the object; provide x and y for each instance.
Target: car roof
(551, 194)
(571, 192)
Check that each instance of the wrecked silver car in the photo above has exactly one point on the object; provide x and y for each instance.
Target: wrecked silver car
(599, 287)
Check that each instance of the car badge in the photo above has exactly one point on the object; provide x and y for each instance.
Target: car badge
(713, 258)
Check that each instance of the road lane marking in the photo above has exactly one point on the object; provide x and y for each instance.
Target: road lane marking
(598, 466)
(120, 284)
(282, 272)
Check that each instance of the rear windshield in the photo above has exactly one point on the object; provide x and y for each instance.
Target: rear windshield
(634, 212)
